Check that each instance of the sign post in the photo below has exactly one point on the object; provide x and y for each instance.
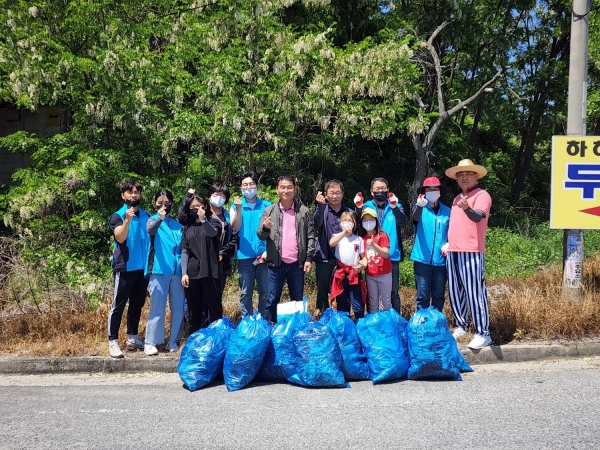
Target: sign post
(575, 203)
(576, 115)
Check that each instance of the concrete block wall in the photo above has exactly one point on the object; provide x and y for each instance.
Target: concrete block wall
(45, 122)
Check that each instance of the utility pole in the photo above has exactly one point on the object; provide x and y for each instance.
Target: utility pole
(576, 117)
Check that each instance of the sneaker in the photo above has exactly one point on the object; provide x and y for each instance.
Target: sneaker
(134, 343)
(480, 341)
(173, 347)
(150, 350)
(114, 350)
(459, 332)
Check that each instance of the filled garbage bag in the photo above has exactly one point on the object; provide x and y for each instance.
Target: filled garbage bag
(402, 326)
(318, 357)
(279, 364)
(354, 360)
(245, 351)
(202, 355)
(434, 354)
(379, 337)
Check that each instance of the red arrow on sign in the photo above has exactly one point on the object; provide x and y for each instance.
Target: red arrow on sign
(593, 211)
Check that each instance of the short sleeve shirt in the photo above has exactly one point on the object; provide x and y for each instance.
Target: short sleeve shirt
(349, 249)
(377, 264)
(464, 235)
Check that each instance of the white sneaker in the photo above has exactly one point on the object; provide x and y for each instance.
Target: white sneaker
(173, 347)
(114, 349)
(134, 343)
(480, 341)
(150, 350)
(459, 332)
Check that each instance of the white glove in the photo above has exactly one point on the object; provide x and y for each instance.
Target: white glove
(444, 249)
(393, 199)
(421, 201)
(358, 200)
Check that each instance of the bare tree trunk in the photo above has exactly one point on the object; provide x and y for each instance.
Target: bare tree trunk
(251, 159)
(478, 115)
(421, 167)
(423, 144)
(524, 160)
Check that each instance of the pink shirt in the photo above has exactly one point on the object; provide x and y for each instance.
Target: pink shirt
(464, 235)
(289, 241)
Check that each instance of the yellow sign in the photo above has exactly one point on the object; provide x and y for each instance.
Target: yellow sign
(575, 200)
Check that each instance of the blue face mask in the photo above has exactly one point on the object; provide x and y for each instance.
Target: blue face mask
(368, 225)
(217, 200)
(432, 196)
(249, 193)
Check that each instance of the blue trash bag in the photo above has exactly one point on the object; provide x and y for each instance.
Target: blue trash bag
(318, 357)
(379, 337)
(354, 363)
(202, 355)
(279, 364)
(402, 326)
(245, 351)
(434, 354)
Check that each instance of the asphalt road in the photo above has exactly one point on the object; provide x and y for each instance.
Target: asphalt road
(550, 404)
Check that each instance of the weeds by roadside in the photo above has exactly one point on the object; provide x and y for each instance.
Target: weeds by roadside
(530, 308)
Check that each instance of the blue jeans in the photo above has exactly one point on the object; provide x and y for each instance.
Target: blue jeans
(247, 273)
(431, 284)
(395, 286)
(353, 293)
(159, 287)
(294, 274)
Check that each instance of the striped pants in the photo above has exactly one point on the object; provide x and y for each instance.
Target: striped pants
(466, 285)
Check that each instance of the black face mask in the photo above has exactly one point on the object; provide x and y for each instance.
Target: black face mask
(132, 203)
(194, 213)
(380, 196)
(167, 208)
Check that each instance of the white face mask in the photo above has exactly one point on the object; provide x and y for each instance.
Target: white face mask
(217, 200)
(432, 196)
(249, 193)
(346, 225)
(369, 225)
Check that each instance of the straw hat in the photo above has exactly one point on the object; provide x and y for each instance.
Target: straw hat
(466, 165)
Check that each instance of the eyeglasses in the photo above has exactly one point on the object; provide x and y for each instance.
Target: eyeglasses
(335, 194)
(248, 185)
(465, 174)
(381, 189)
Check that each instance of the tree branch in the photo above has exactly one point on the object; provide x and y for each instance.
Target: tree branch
(438, 66)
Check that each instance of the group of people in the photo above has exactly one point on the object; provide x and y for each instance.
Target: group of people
(356, 252)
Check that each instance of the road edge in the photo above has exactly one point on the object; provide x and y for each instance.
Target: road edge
(168, 363)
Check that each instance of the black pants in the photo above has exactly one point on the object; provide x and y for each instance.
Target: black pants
(324, 271)
(204, 302)
(130, 286)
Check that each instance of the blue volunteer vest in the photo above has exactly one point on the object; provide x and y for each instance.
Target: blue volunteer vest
(164, 249)
(431, 232)
(250, 245)
(131, 254)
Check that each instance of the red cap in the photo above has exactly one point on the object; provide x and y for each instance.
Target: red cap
(432, 182)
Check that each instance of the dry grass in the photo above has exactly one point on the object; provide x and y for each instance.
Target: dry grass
(528, 309)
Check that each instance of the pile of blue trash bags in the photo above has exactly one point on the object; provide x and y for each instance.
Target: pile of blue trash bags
(381, 347)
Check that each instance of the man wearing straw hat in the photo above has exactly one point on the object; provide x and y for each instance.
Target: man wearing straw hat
(466, 253)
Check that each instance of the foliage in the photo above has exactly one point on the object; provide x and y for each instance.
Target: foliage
(519, 254)
(183, 94)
